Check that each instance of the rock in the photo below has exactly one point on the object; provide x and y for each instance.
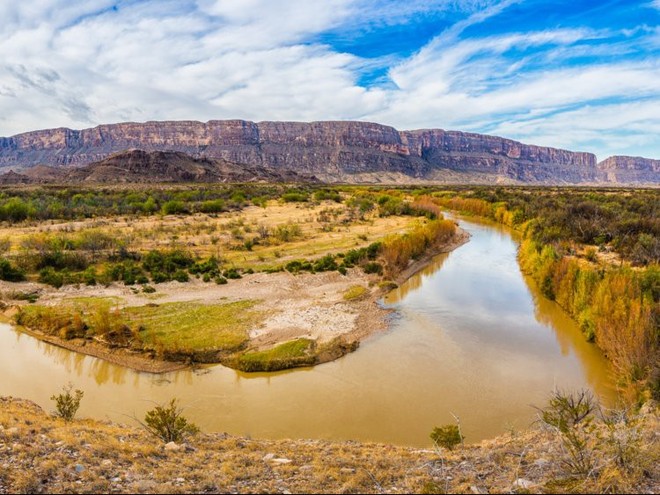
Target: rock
(629, 170)
(172, 447)
(648, 408)
(523, 483)
(79, 468)
(106, 463)
(116, 479)
(180, 480)
(330, 151)
(268, 457)
(280, 460)
(347, 470)
(541, 462)
(145, 486)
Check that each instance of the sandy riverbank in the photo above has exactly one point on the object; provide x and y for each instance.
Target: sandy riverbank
(306, 305)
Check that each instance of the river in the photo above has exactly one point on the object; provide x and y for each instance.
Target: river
(471, 338)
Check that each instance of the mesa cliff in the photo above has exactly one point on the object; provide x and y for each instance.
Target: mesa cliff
(332, 151)
(630, 169)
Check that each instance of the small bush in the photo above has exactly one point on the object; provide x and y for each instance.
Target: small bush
(180, 276)
(373, 267)
(168, 424)
(67, 403)
(232, 273)
(355, 292)
(448, 436)
(295, 197)
(571, 416)
(9, 272)
(174, 207)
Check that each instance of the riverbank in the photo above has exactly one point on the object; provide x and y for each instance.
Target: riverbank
(43, 454)
(312, 311)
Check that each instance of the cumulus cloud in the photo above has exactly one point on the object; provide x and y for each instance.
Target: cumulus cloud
(79, 64)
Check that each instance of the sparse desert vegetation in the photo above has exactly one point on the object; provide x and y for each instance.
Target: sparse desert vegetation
(45, 454)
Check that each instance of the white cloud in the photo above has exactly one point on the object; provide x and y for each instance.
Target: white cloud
(83, 63)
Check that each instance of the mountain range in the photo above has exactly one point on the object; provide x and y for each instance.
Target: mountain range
(328, 151)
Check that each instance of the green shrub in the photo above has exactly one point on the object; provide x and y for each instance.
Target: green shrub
(212, 206)
(232, 273)
(295, 197)
(288, 232)
(174, 207)
(9, 272)
(51, 277)
(373, 267)
(325, 264)
(571, 416)
(168, 423)
(180, 276)
(67, 403)
(325, 195)
(448, 436)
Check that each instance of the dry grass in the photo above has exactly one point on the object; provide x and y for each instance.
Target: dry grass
(325, 227)
(40, 454)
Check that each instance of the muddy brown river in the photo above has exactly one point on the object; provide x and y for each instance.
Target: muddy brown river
(470, 337)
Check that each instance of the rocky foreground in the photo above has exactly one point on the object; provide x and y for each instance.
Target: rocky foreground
(43, 454)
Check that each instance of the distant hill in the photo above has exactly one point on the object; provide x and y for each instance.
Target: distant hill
(137, 166)
(332, 151)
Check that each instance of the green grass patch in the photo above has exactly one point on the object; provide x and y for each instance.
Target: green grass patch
(190, 327)
(299, 352)
(355, 292)
(387, 285)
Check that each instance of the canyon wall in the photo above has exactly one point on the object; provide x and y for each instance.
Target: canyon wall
(343, 151)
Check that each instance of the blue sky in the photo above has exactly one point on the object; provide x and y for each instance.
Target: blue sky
(581, 75)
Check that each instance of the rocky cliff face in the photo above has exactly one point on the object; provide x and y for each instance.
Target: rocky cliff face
(332, 151)
(629, 170)
(137, 166)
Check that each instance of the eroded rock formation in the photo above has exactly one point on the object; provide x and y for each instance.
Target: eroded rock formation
(342, 151)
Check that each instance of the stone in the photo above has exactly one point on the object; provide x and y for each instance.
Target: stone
(79, 468)
(280, 460)
(172, 447)
(268, 457)
(523, 483)
(330, 151)
(106, 463)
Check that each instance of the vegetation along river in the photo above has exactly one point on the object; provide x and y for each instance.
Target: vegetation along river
(470, 337)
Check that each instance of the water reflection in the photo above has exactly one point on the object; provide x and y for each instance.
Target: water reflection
(471, 337)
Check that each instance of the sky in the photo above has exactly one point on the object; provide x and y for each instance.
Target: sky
(582, 75)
